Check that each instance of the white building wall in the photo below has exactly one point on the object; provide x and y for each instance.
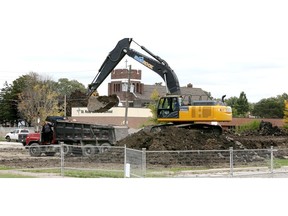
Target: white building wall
(113, 112)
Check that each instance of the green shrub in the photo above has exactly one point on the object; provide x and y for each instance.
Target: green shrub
(251, 126)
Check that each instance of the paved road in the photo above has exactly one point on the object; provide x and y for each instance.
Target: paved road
(4, 144)
(249, 172)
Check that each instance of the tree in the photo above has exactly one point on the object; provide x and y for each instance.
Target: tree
(9, 100)
(153, 106)
(240, 106)
(73, 91)
(6, 104)
(25, 89)
(66, 87)
(286, 113)
(269, 108)
(232, 101)
(38, 100)
(76, 99)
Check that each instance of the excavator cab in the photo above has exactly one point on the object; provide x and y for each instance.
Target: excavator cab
(173, 108)
(168, 107)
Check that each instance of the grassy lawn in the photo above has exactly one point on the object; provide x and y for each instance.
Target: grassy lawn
(2, 139)
(5, 168)
(280, 162)
(82, 173)
(93, 174)
(11, 175)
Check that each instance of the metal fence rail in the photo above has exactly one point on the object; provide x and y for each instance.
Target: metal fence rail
(119, 162)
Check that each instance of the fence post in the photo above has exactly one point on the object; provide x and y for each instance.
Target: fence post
(144, 162)
(125, 158)
(62, 158)
(271, 160)
(231, 161)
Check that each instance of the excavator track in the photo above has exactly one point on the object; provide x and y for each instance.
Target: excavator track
(204, 128)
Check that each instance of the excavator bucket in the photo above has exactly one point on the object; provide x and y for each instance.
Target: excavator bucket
(99, 104)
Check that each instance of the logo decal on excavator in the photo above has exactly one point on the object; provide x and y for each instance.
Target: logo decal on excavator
(142, 61)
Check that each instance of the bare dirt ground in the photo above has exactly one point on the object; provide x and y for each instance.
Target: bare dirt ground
(176, 139)
(172, 139)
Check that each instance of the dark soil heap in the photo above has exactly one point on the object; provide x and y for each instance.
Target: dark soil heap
(173, 138)
(266, 129)
(102, 103)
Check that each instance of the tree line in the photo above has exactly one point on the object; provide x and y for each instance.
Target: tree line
(32, 97)
(272, 107)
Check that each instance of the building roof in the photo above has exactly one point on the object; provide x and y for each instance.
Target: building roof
(197, 93)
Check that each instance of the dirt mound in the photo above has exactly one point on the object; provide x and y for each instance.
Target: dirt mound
(266, 129)
(101, 103)
(173, 138)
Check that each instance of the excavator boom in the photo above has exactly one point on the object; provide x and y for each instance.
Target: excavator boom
(111, 61)
(161, 68)
(155, 63)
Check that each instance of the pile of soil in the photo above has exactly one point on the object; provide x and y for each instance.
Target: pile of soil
(172, 138)
(266, 129)
(102, 103)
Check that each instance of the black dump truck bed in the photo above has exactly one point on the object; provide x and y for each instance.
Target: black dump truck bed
(70, 132)
(82, 133)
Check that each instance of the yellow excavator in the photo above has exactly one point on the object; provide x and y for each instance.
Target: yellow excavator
(174, 109)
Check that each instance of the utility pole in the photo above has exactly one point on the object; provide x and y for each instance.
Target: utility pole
(65, 106)
(127, 95)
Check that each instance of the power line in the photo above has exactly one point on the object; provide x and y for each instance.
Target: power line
(56, 71)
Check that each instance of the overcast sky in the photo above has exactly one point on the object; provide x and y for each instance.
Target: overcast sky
(223, 47)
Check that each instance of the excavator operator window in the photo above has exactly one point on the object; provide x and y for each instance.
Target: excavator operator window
(163, 103)
(168, 107)
(163, 107)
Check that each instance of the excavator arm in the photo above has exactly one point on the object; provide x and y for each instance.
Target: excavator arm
(157, 64)
(111, 61)
(98, 103)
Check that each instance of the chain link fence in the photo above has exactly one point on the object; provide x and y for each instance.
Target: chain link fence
(218, 163)
(135, 163)
(117, 162)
